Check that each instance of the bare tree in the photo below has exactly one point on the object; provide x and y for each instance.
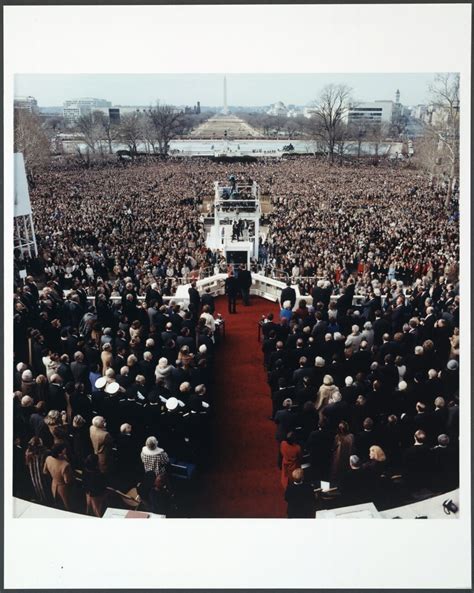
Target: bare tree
(341, 140)
(443, 126)
(168, 122)
(105, 129)
(52, 126)
(357, 131)
(329, 111)
(258, 121)
(277, 123)
(262, 122)
(377, 133)
(295, 126)
(131, 131)
(89, 129)
(427, 156)
(149, 133)
(31, 140)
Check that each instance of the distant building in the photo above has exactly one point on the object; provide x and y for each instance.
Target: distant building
(418, 111)
(372, 113)
(27, 103)
(278, 108)
(58, 111)
(437, 115)
(73, 109)
(114, 115)
(382, 112)
(128, 109)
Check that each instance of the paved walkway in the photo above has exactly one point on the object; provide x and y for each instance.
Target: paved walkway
(218, 124)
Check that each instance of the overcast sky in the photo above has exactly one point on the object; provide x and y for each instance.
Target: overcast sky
(242, 89)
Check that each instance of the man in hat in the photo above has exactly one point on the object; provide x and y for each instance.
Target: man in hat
(195, 424)
(172, 426)
(98, 395)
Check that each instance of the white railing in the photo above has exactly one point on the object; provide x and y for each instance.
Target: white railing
(262, 286)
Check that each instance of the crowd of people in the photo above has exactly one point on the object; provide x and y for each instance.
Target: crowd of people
(377, 222)
(364, 393)
(98, 382)
(146, 220)
(109, 396)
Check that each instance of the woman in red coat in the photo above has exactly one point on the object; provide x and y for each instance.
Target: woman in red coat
(291, 458)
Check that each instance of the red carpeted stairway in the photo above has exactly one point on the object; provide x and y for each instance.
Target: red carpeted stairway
(243, 480)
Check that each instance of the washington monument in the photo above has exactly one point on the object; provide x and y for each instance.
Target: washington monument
(225, 109)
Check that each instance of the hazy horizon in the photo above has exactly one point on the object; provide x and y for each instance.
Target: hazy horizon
(51, 90)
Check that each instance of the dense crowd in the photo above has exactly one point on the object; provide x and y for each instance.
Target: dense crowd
(365, 393)
(109, 397)
(377, 222)
(93, 377)
(145, 220)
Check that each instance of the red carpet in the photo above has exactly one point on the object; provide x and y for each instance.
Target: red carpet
(243, 481)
